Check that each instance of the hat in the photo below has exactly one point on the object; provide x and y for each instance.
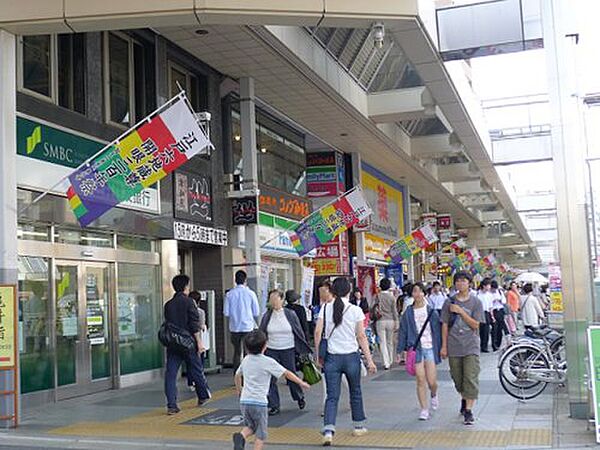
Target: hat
(292, 296)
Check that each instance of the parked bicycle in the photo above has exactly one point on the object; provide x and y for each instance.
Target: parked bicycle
(530, 363)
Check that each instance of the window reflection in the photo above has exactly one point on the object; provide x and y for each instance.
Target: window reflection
(36, 64)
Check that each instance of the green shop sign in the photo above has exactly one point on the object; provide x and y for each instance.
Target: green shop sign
(50, 144)
(593, 334)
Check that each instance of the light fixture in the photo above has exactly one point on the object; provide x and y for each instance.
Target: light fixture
(237, 138)
(378, 30)
(263, 150)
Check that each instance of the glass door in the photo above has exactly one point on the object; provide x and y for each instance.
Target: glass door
(82, 328)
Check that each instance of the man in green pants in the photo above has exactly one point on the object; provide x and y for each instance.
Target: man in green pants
(461, 316)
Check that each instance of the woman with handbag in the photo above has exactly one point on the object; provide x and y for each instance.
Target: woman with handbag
(285, 340)
(338, 335)
(421, 336)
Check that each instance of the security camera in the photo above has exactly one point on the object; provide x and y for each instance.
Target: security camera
(378, 30)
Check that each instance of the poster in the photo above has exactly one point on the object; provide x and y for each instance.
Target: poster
(308, 282)
(366, 282)
(192, 196)
(7, 325)
(263, 286)
(593, 333)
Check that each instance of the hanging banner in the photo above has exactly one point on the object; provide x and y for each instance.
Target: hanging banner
(138, 159)
(308, 282)
(365, 276)
(329, 221)
(411, 244)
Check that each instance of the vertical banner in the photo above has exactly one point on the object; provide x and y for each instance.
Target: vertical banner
(555, 287)
(263, 286)
(8, 343)
(365, 281)
(308, 282)
(593, 334)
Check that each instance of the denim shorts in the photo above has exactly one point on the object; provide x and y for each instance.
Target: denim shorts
(425, 354)
(257, 419)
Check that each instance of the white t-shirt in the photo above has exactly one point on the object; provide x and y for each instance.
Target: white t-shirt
(342, 339)
(420, 318)
(436, 301)
(280, 332)
(486, 300)
(257, 371)
(498, 300)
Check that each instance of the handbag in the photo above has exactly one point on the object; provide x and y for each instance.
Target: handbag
(376, 310)
(323, 342)
(411, 354)
(309, 371)
(176, 339)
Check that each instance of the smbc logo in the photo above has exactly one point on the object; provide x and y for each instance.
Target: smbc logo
(34, 139)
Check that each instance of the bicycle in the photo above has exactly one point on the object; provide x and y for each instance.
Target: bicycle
(527, 367)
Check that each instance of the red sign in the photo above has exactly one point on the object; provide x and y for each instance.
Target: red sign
(333, 258)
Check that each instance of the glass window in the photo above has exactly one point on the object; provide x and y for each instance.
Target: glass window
(139, 315)
(36, 359)
(29, 232)
(188, 82)
(135, 243)
(281, 162)
(82, 237)
(118, 69)
(71, 71)
(36, 64)
(67, 323)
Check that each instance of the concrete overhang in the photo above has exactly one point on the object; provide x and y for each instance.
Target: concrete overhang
(400, 104)
(434, 146)
(457, 172)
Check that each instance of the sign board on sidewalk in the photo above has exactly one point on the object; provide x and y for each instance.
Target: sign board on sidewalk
(593, 333)
(8, 354)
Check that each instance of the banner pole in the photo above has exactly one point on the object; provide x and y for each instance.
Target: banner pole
(117, 140)
(314, 212)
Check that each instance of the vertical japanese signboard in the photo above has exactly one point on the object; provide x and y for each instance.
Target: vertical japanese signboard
(593, 333)
(8, 353)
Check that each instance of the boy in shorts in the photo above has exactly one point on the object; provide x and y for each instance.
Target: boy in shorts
(255, 374)
(461, 316)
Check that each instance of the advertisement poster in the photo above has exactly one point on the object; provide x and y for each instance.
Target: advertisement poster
(263, 286)
(366, 282)
(555, 288)
(192, 196)
(7, 326)
(308, 281)
(325, 175)
(593, 333)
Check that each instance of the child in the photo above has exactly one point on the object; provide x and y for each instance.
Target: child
(461, 316)
(256, 371)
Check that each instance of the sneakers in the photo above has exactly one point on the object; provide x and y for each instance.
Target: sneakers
(359, 431)
(424, 414)
(327, 439)
(173, 411)
(463, 407)
(239, 443)
(274, 411)
(301, 403)
(469, 419)
(435, 402)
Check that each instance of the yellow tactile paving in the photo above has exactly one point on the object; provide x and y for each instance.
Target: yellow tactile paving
(156, 424)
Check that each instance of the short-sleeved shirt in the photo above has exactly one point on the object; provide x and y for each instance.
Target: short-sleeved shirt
(341, 340)
(462, 339)
(257, 371)
(420, 318)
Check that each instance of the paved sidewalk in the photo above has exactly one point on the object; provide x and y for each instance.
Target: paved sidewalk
(135, 418)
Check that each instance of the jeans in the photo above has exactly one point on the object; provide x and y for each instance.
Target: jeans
(498, 329)
(335, 366)
(237, 340)
(287, 358)
(484, 332)
(195, 369)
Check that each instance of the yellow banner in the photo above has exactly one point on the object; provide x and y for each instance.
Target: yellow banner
(7, 326)
(556, 302)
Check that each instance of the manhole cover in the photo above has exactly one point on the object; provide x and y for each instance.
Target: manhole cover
(233, 418)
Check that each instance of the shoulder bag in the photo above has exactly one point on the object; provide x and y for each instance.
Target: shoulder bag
(411, 354)
(176, 339)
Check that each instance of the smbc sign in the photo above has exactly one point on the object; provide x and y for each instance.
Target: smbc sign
(49, 144)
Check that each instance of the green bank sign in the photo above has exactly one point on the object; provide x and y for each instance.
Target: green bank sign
(50, 144)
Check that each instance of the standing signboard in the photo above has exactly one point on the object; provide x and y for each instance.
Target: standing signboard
(8, 353)
(593, 333)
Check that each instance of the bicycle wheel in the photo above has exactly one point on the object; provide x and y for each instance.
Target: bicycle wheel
(513, 372)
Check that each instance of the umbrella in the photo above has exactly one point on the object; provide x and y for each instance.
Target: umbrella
(532, 277)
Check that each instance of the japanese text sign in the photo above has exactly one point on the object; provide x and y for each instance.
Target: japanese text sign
(7, 325)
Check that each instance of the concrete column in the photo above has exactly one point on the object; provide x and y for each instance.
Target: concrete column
(569, 173)
(250, 174)
(357, 181)
(168, 262)
(8, 192)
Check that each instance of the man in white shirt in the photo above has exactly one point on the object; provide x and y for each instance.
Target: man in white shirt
(486, 298)
(437, 298)
(241, 307)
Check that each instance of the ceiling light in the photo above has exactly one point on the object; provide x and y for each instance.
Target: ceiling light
(201, 32)
(237, 138)
(263, 150)
(343, 134)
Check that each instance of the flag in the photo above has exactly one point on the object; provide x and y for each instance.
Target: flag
(411, 244)
(138, 159)
(328, 222)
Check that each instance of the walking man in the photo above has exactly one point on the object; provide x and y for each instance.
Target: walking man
(182, 311)
(241, 307)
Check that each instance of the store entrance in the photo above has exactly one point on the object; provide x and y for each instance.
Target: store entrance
(83, 314)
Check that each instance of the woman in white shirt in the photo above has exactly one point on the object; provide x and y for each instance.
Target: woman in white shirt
(341, 324)
(485, 296)
(499, 327)
(285, 339)
(531, 311)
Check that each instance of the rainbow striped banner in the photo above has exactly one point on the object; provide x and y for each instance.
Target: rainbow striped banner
(411, 244)
(328, 222)
(142, 156)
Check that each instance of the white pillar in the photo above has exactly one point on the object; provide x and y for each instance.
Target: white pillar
(250, 175)
(568, 152)
(8, 190)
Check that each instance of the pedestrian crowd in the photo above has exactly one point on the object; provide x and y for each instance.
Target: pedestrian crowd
(333, 342)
